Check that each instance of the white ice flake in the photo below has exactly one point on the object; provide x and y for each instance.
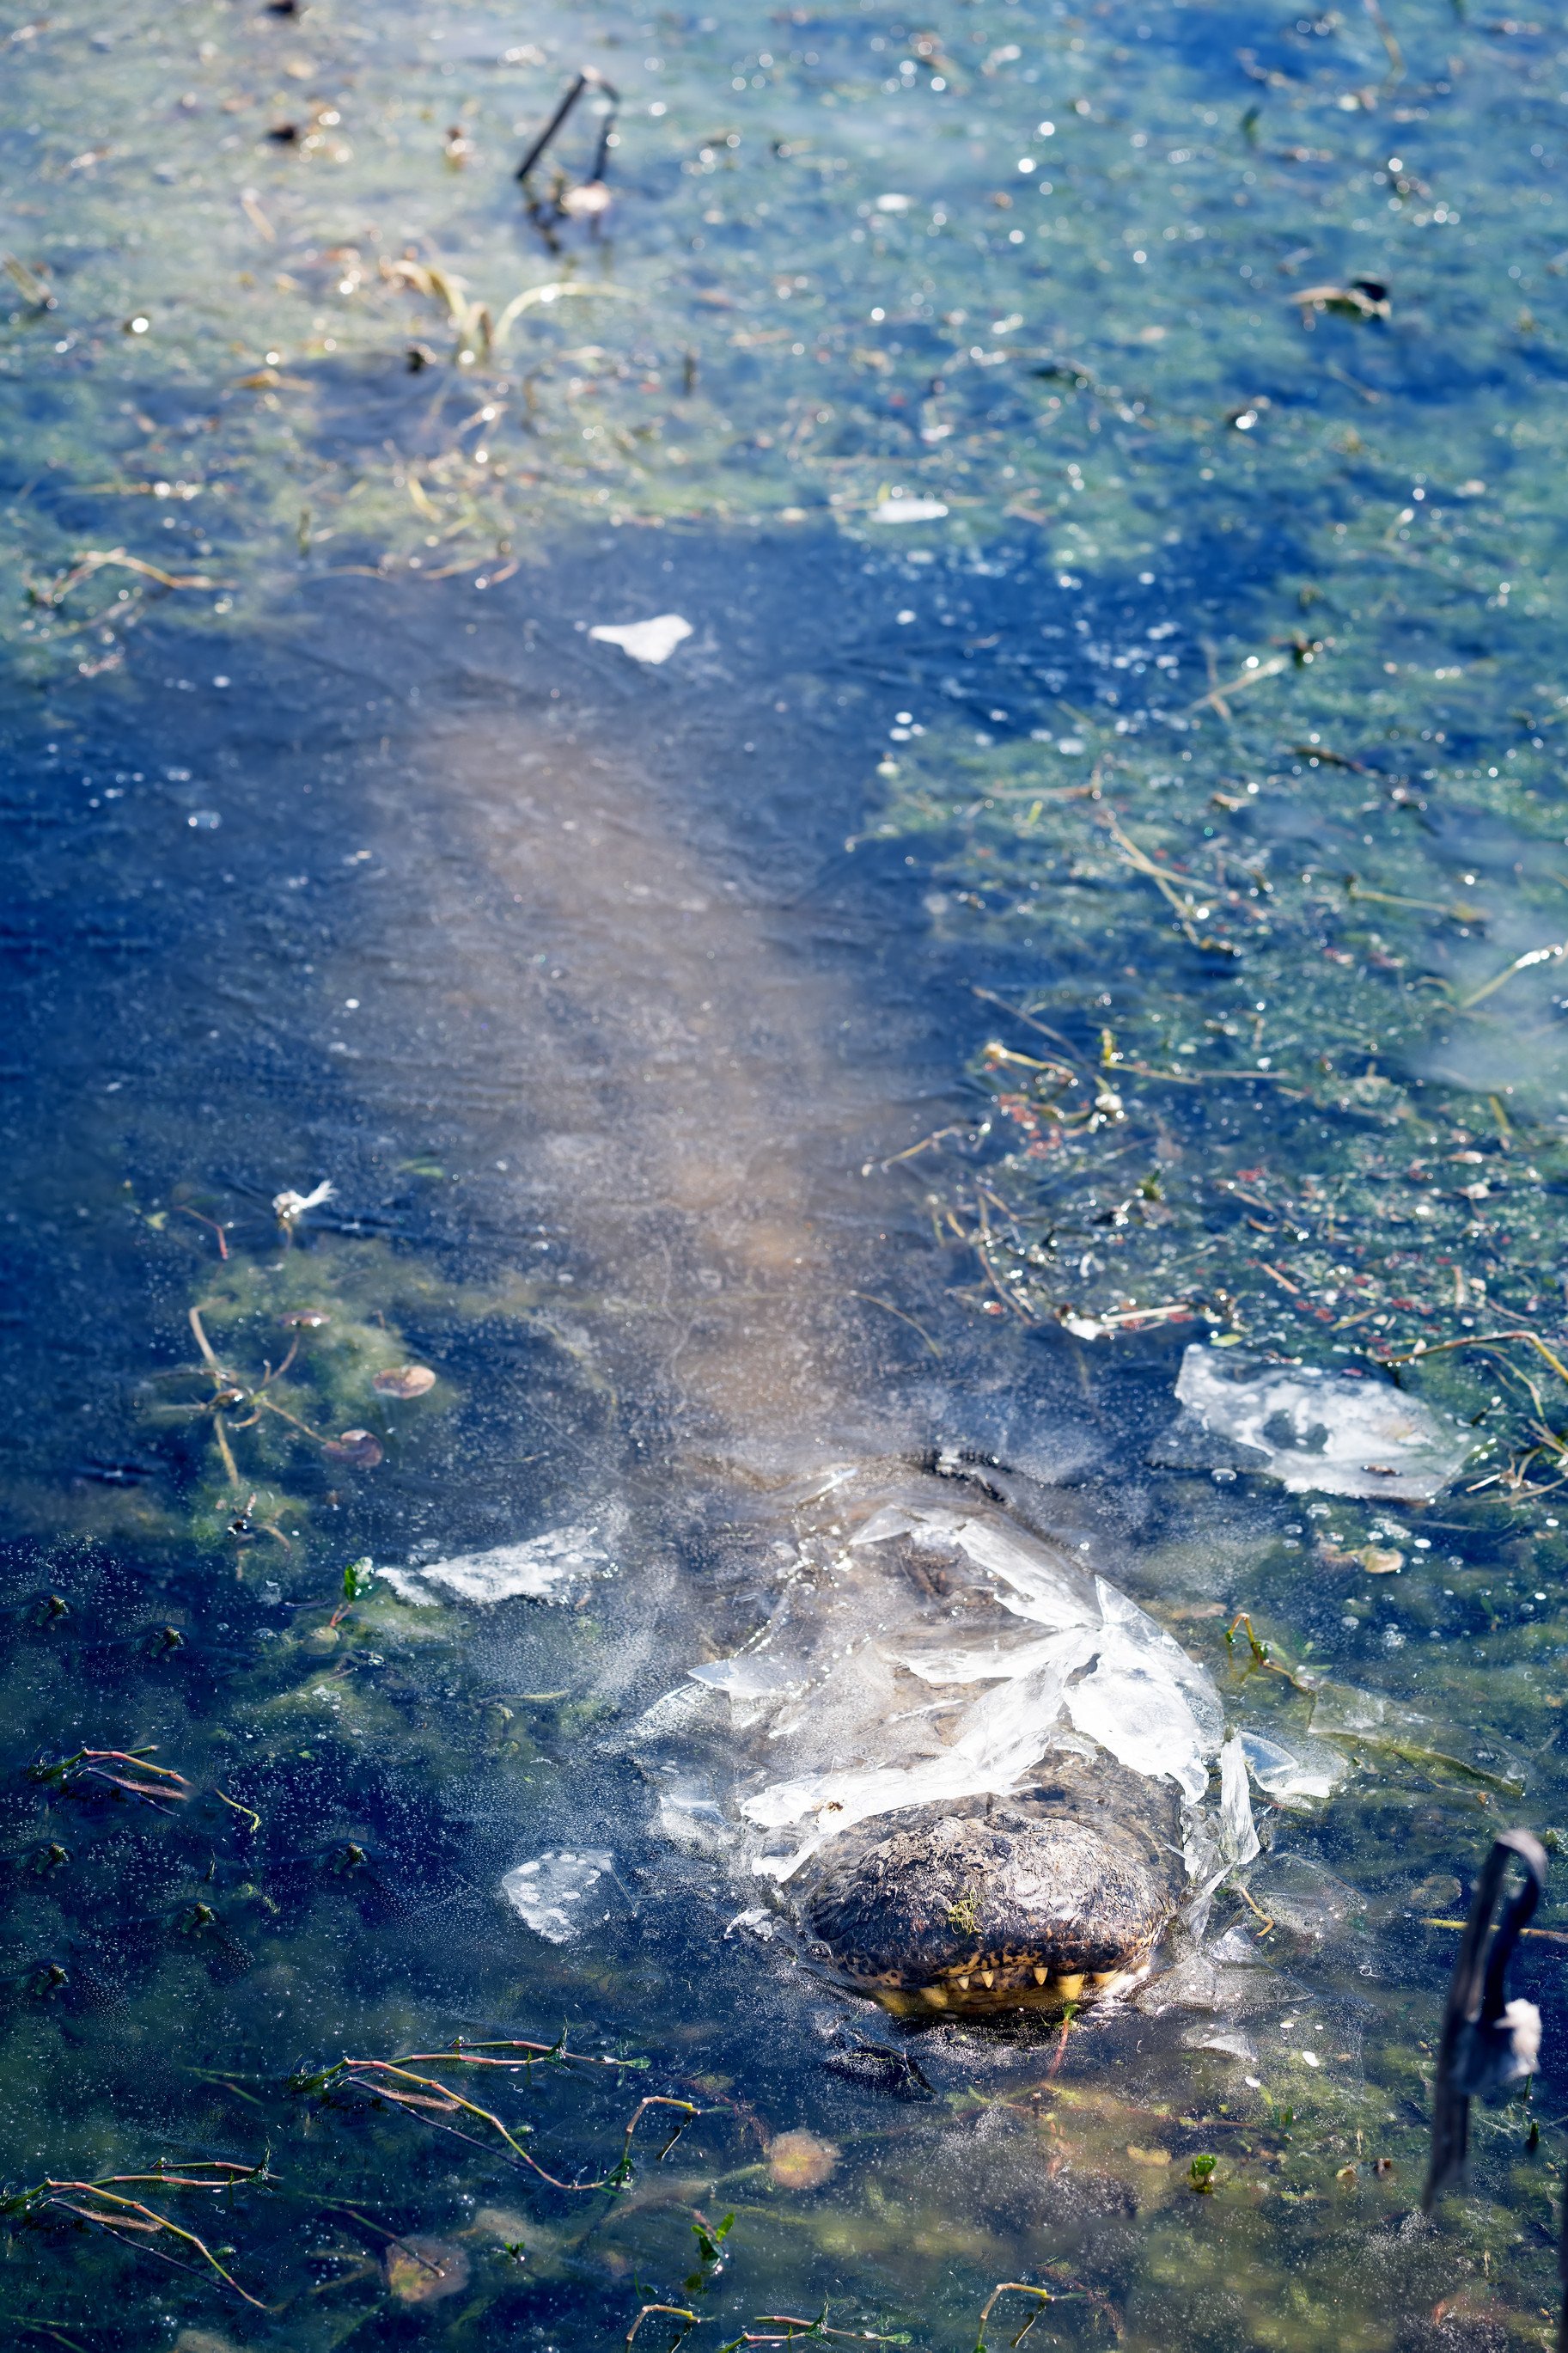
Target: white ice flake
(1313, 1430)
(907, 511)
(645, 641)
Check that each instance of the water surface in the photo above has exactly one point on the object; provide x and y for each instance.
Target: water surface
(1112, 904)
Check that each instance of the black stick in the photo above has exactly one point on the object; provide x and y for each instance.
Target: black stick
(554, 125)
(1471, 2054)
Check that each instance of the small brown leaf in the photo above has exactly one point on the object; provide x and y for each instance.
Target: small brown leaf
(356, 1446)
(798, 2160)
(421, 2271)
(405, 1381)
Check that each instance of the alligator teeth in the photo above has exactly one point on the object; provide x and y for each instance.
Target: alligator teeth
(1070, 1988)
(1110, 1981)
(963, 1985)
(1042, 1976)
(988, 1979)
(935, 1995)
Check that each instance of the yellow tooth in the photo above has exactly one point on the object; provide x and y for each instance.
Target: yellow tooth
(963, 1985)
(1042, 1975)
(935, 1995)
(1109, 1980)
(1070, 1988)
(988, 1979)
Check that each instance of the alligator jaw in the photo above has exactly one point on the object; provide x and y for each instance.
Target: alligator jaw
(934, 1911)
(963, 1993)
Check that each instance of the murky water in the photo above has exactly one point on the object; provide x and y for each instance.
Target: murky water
(1088, 881)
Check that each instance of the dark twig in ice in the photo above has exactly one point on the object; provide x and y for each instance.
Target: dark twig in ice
(586, 80)
(1488, 2045)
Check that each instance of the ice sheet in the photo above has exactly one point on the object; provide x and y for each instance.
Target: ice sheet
(1312, 1430)
(1132, 1706)
(1293, 1771)
(1001, 1734)
(1030, 1654)
(1238, 1831)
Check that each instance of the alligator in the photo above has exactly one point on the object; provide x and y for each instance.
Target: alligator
(969, 1772)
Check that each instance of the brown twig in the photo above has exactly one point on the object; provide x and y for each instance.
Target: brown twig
(431, 2096)
(97, 559)
(184, 1211)
(1481, 1340)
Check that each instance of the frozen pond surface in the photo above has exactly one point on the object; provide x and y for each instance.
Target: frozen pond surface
(785, 1044)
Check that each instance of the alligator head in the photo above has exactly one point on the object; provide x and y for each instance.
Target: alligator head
(1058, 1893)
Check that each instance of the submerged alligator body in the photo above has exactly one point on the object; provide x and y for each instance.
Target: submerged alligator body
(972, 1773)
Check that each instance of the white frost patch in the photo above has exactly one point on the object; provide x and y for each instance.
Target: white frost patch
(541, 1569)
(1320, 1431)
(408, 1588)
(549, 1893)
(645, 642)
(907, 511)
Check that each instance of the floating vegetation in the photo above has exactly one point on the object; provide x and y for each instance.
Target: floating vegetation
(1234, 1103)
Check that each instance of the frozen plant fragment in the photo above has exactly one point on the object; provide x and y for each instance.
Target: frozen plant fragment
(423, 2271)
(405, 1381)
(1312, 1430)
(645, 641)
(549, 1893)
(799, 2160)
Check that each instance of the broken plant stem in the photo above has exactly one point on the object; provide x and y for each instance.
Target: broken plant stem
(385, 2079)
(677, 2311)
(97, 559)
(1521, 963)
(1480, 1340)
(124, 2214)
(1008, 2287)
(88, 1764)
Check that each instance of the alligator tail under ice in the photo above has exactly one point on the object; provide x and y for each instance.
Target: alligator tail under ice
(972, 1772)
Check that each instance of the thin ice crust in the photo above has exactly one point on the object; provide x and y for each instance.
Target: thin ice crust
(971, 1769)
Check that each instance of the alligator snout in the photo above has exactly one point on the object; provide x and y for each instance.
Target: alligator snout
(933, 1910)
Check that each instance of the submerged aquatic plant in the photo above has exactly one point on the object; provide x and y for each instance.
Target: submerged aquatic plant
(338, 1359)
